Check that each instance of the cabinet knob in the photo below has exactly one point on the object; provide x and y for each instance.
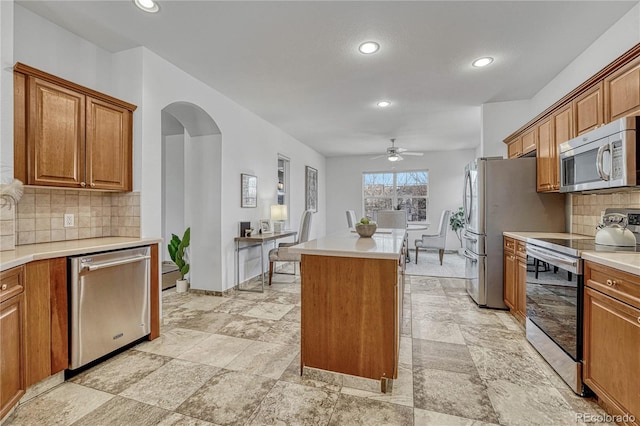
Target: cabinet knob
(638, 319)
(4, 287)
(82, 184)
(611, 283)
(93, 184)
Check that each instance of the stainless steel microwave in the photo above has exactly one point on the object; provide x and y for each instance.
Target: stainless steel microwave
(604, 158)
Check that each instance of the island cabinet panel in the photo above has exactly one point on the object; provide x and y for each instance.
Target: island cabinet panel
(350, 315)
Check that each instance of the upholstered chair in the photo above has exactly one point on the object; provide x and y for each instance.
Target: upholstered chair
(436, 241)
(282, 253)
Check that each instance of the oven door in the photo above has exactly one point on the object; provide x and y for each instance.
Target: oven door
(554, 297)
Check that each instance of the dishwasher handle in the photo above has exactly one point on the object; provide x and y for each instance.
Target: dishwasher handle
(96, 266)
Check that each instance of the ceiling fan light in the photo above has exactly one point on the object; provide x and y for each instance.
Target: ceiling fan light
(383, 104)
(393, 157)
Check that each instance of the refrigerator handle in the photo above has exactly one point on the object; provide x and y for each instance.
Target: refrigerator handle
(467, 209)
(467, 237)
(468, 256)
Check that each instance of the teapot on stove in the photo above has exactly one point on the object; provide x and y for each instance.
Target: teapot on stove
(613, 231)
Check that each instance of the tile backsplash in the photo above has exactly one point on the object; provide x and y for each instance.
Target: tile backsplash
(586, 209)
(7, 227)
(40, 215)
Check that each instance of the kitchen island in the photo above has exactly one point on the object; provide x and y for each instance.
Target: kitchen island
(352, 292)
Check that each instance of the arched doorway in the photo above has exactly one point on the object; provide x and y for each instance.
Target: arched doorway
(192, 189)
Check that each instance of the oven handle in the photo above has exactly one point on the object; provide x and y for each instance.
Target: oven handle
(96, 266)
(600, 162)
(568, 263)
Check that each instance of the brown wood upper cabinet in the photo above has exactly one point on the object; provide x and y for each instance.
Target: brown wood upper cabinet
(69, 136)
(546, 156)
(622, 92)
(529, 141)
(589, 109)
(514, 148)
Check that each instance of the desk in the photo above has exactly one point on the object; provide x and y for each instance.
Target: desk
(254, 240)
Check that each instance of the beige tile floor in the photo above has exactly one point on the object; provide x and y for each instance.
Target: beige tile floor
(235, 360)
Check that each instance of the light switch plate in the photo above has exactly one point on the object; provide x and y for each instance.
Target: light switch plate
(69, 220)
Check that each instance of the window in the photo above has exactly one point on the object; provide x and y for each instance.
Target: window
(407, 191)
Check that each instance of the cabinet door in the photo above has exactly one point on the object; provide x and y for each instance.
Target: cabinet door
(622, 92)
(589, 109)
(12, 352)
(611, 351)
(55, 135)
(521, 289)
(109, 142)
(529, 141)
(510, 280)
(545, 156)
(514, 148)
(562, 125)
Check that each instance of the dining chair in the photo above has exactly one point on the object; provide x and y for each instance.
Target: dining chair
(282, 253)
(395, 219)
(435, 241)
(351, 218)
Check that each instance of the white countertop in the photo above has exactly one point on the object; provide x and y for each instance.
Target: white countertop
(522, 236)
(27, 253)
(385, 244)
(624, 261)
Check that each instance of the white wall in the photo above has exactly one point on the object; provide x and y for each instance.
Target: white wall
(6, 90)
(446, 173)
(249, 144)
(500, 119)
(622, 36)
(173, 204)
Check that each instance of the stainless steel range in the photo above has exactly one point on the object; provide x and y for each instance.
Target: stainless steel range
(555, 298)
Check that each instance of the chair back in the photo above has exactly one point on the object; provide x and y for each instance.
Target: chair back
(444, 222)
(305, 226)
(351, 218)
(396, 219)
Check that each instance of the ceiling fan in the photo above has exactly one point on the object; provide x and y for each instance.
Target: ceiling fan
(393, 152)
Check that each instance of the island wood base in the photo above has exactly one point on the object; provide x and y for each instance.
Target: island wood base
(351, 311)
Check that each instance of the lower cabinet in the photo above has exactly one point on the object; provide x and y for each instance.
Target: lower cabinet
(612, 339)
(515, 278)
(12, 332)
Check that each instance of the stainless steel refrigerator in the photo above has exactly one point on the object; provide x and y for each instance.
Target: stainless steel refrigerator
(500, 195)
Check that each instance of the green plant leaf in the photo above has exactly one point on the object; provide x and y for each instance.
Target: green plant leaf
(184, 270)
(186, 238)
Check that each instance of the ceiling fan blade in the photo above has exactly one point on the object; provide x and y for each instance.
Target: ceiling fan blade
(419, 154)
(379, 156)
(401, 149)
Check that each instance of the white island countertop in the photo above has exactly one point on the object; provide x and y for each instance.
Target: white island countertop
(30, 252)
(385, 244)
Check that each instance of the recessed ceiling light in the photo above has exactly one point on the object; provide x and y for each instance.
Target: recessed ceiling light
(383, 104)
(482, 62)
(369, 47)
(147, 5)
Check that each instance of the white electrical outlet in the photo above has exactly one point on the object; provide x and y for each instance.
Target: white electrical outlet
(68, 220)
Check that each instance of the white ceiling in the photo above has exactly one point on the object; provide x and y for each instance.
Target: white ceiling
(296, 63)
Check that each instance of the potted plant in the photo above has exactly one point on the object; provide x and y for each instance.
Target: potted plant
(456, 221)
(177, 248)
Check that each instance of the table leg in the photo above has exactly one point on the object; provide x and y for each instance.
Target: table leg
(262, 264)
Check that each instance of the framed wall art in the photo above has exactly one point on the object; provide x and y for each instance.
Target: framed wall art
(248, 190)
(311, 189)
(265, 226)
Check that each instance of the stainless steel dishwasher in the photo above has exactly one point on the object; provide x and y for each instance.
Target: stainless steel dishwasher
(110, 296)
